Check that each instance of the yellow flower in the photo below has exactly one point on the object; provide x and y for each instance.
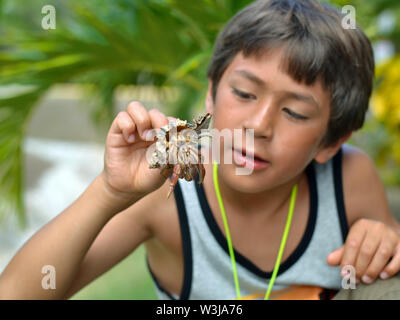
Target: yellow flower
(378, 106)
(385, 102)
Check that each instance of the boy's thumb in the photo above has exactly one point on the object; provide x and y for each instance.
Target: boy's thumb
(335, 257)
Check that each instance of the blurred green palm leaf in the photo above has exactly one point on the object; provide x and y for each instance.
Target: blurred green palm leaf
(105, 44)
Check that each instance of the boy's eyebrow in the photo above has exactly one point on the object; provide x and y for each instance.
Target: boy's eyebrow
(252, 77)
(295, 95)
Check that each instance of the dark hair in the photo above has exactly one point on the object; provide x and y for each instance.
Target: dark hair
(316, 47)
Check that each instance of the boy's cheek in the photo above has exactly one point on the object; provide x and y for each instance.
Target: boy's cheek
(229, 118)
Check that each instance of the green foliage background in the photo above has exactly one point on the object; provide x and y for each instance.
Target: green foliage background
(165, 43)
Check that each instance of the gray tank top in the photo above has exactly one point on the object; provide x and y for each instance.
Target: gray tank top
(207, 265)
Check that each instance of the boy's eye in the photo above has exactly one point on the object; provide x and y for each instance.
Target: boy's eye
(295, 115)
(243, 95)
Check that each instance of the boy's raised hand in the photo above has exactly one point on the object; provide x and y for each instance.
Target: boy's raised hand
(372, 248)
(126, 170)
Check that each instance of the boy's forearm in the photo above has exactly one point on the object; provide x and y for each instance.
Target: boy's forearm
(62, 244)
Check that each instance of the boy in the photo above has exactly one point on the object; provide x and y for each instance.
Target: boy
(289, 71)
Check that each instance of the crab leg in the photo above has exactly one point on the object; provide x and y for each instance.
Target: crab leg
(174, 179)
(202, 172)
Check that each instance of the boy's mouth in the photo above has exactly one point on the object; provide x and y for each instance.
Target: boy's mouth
(245, 158)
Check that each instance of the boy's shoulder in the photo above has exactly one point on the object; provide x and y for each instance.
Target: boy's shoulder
(355, 160)
(363, 191)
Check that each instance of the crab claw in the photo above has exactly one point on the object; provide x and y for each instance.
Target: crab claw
(174, 180)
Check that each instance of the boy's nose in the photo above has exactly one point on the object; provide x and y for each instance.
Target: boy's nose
(262, 121)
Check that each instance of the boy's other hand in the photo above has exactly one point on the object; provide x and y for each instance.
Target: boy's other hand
(372, 248)
(126, 170)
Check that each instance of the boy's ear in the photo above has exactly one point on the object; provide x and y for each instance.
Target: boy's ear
(209, 99)
(326, 153)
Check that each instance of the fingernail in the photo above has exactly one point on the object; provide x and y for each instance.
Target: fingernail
(384, 275)
(131, 138)
(145, 134)
(366, 279)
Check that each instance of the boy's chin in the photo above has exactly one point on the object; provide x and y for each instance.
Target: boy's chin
(254, 182)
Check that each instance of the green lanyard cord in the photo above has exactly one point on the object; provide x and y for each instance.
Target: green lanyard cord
(228, 235)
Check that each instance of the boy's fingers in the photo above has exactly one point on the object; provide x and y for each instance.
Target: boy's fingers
(158, 119)
(368, 249)
(171, 119)
(352, 246)
(140, 117)
(123, 124)
(335, 256)
(393, 266)
(381, 258)
(136, 122)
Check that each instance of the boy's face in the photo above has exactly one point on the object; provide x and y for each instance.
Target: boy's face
(289, 119)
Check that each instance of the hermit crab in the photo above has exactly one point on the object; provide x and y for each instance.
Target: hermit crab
(177, 146)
